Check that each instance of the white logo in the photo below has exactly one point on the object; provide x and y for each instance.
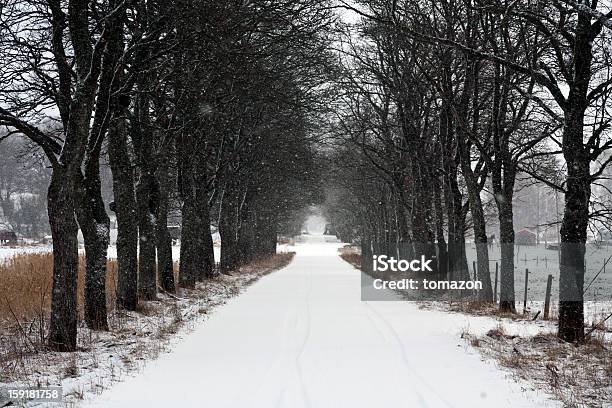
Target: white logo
(382, 263)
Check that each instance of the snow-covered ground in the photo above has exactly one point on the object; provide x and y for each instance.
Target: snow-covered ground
(7, 252)
(176, 252)
(301, 337)
(541, 262)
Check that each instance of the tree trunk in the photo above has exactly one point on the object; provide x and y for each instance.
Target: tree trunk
(457, 259)
(503, 175)
(272, 237)
(506, 239)
(230, 255)
(164, 240)
(573, 238)
(578, 189)
(187, 265)
(125, 210)
(147, 277)
(75, 105)
(209, 253)
(95, 225)
(442, 251)
(458, 268)
(197, 256)
(472, 179)
(260, 235)
(146, 196)
(480, 240)
(229, 246)
(247, 235)
(64, 230)
(206, 255)
(403, 231)
(422, 234)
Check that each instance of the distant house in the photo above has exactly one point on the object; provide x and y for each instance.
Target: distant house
(525, 237)
(7, 237)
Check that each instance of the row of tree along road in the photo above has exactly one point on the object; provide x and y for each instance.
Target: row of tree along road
(208, 104)
(223, 107)
(445, 103)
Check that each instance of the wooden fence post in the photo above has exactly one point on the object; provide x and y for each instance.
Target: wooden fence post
(475, 291)
(526, 286)
(547, 298)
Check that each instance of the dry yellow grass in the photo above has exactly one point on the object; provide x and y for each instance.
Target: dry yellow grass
(577, 375)
(350, 255)
(25, 286)
(25, 298)
(26, 281)
(269, 263)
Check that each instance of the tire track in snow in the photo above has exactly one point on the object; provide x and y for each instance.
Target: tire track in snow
(405, 360)
(298, 365)
(376, 327)
(278, 358)
(377, 316)
(279, 400)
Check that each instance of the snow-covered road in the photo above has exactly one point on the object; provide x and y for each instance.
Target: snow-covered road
(301, 337)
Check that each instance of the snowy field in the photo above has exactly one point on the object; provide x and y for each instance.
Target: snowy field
(7, 252)
(541, 262)
(301, 337)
